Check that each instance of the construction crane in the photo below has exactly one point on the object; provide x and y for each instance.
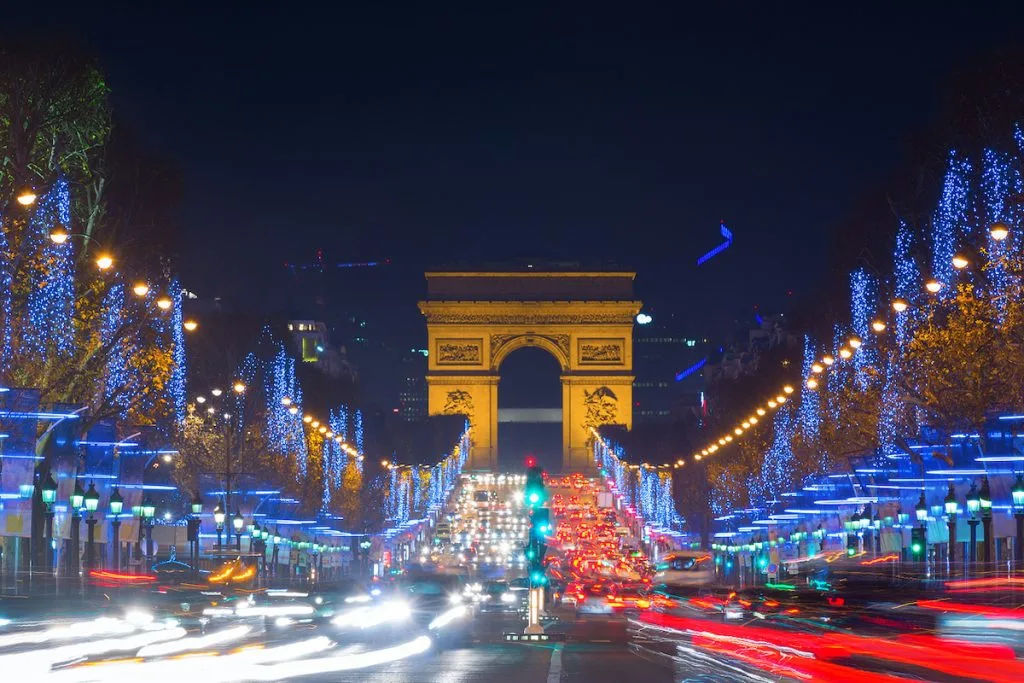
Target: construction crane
(318, 264)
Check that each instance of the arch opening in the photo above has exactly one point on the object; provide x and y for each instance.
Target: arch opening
(529, 408)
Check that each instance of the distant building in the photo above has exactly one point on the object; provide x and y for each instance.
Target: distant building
(312, 345)
(743, 357)
(412, 399)
(666, 363)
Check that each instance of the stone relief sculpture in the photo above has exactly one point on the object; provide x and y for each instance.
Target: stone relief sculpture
(459, 402)
(600, 352)
(602, 407)
(460, 353)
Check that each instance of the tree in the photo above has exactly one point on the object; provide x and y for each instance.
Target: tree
(961, 363)
(75, 332)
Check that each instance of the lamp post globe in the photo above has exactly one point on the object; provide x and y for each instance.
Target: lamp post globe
(197, 505)
(77, 498)
(921, 510)
(48, 491)
(985, 498)
(950, 504)
(973, 502)
(238, 522)
(92, 499)
(218, 516)
(148, 509)
(1017, 495)
(116, 503)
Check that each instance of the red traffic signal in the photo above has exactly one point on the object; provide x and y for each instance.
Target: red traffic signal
(531, 461)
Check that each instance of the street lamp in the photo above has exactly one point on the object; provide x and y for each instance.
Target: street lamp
(116, 505)
(92, 502)
(985, 501)
(75, 501)
(48, 494)
(238, 523)
(973, 505)
(921, 510)
(218, 518)
(148, 513)
(951, 508)
(194, 523)
(1017, 495)
(999, 231)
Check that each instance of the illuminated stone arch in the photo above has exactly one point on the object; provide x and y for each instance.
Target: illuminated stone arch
(583, 319)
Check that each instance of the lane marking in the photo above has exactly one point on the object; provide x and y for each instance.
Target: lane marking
(555, 670)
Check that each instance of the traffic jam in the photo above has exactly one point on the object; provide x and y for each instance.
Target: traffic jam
(594, 564)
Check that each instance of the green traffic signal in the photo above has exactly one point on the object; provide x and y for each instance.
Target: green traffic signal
(916, 548)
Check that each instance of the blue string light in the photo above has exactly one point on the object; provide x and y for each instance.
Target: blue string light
(359, 434)
(117, 368)
(809, 414)
(50, 301)
(863, 295)
(999, 180)
(176, 387)
(951, 219)
(907, 276)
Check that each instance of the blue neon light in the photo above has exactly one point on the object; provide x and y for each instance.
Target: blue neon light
(116, 444)
(727, 234)
(680, 376)
(150, 487)
(34, 415)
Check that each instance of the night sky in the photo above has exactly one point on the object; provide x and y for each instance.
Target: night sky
(593, 133)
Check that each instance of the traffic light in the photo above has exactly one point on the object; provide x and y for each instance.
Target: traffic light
(918, 544)
(851, 544)
(535, 493)
(540, 523)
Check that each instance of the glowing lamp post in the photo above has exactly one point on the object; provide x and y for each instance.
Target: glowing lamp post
(1017, 494)
(116, 506)
(92, 503)
(218, 519)
(148, 514)
(973, 506)
(951, 507)
(48, 494)
(238, 523)
(76, 501)
(985, 501)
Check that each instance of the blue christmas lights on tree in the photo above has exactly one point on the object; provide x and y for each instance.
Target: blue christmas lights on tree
(359, 431)
(176, 387)
(1000, 179)
(951, 220)
(777, 468)
(863, 301)
(339, 458)
(51, 295)
(117, 367)
(907, 279)
(809, 414)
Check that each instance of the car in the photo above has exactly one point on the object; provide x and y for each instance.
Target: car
(595, 599)
(497, 596)
(437, 604)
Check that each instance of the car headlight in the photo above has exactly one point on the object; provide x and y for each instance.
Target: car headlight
(455, 599)
(508, 597)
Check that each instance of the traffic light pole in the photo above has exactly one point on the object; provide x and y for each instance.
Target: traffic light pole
(535, 496)
(533, 626)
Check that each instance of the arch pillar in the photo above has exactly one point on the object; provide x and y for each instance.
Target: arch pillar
(591, 401)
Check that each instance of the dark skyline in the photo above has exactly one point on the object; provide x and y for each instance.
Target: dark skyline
(429, 134)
